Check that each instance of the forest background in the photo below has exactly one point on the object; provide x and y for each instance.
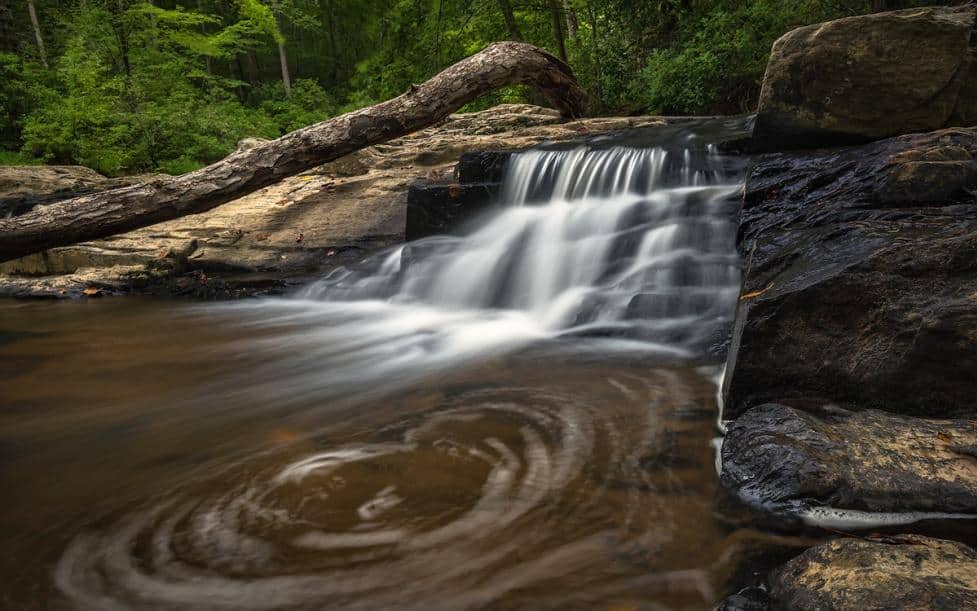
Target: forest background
(127, 86)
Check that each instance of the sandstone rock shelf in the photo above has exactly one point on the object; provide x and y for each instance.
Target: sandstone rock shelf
(332, 215)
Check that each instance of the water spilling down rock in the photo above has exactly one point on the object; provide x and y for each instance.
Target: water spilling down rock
(509, 416)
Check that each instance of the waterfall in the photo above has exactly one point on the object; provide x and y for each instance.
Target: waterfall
(599, 248)
(620, 241)
(486, 420)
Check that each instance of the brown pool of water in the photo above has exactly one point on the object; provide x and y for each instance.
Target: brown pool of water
(146, 464)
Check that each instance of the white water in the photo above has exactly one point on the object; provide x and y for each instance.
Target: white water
(611, 250)
(612, 224)
(630, 247)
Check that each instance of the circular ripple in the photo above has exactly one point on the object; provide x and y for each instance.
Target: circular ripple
(451, 509)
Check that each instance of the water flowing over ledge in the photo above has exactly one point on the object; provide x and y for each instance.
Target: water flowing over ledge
(620, 253)
(627, 246)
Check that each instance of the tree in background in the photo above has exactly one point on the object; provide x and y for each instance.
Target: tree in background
(37, 32)
(128, 86)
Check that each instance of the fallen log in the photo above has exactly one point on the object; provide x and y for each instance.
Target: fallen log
(107, 213)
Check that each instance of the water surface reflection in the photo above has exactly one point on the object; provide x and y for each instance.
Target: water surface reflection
(550, 477)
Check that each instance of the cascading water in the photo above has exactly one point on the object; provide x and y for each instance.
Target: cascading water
(447, 447)
(624, 241)
(632, 247)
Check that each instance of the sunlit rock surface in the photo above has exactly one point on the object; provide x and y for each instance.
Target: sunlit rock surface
(333, 214)
(23, 181)
(817, 465)
(897, 573)
(869, 77)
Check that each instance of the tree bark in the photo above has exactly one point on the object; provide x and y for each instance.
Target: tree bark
(115, 211)
(571, 16)
(203, 30)
(37, 32)
(122, 35)
(558, 29)
(510, 20)
(282, 58)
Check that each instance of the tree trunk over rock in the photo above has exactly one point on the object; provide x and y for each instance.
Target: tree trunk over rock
(107, 213)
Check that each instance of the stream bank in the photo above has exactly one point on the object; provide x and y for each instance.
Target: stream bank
(285, 234)
(850, 385)
(849, 381)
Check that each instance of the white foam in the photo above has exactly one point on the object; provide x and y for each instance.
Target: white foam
(852, 519)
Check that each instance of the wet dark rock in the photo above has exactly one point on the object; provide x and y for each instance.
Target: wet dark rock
(852, 80)
(785, 459)
(905, 572)
(861, 278)
(482, 166)
(439, 208)
(747, 599)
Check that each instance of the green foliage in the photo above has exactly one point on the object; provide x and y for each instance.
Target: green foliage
(261, 17)
(135, 86)
(17, 158)
(719, 56)
(14, 99)
(167, 113)
(309, 103)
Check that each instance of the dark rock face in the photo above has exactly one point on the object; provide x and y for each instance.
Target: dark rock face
(482, 167)
(438, 208)
(786, 459)
(869, 77)
(903, 573)
(861, 279)
(747, 599)
(445, 207)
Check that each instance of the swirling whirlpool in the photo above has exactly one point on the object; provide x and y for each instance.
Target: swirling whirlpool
(510, 419)
(514, 495)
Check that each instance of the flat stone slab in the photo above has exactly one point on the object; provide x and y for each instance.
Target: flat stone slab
(905, 572)
(844, 469)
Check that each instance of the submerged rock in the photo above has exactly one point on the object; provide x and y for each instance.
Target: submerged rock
(900, 573)
(861, 278)
(818, 466)
(870, 77)
(747, 599)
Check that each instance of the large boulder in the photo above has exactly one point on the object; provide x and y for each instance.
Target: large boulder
(898, 573)
(870, 77)
(861, 278)
(841, 469)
